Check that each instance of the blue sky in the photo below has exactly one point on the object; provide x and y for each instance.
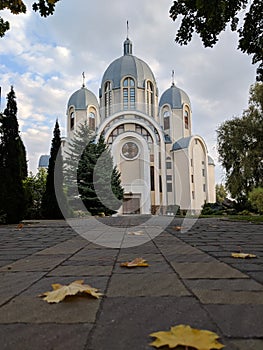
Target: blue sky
(44, 60)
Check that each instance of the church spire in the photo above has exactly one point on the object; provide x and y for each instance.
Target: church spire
(127, 43)
(172, 77)
(83, 79)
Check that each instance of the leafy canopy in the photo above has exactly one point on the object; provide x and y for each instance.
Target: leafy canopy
(240, 147)
(209, 18)
(44, 7)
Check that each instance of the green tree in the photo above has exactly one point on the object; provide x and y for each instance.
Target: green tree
(221, 193)
(240, 147)
(256, 199)
(13, 164)
(209, 18)
(35, 186)
(50, 208)
(44, 7)
(90, 170)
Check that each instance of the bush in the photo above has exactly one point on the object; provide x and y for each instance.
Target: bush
(255, 198)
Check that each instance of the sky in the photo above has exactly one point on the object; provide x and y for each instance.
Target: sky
(43, 58)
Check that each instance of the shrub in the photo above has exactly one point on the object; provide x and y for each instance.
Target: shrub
(255, 198)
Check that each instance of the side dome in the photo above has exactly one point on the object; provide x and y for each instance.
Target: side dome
(128, 65)
(82, 98)
(174, 97)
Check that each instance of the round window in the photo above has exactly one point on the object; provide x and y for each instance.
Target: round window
(130, 150)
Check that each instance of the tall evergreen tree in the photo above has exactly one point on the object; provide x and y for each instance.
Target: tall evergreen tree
(50, 208)
(13, 164)
(90, 169)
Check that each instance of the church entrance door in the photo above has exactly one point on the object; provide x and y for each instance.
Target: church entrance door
(131, 206)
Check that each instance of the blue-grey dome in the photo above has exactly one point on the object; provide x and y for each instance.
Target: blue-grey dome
(43, 161)
(128, 65)
(174, 97)
(182, 143)
(83, 98)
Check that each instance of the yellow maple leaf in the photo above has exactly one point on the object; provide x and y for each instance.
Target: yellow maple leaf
(243, 255)
(136, 262)
(186, 336)
(60, 291)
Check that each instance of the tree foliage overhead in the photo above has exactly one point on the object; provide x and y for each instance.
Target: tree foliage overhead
(13, 164)
(209, 18)
(240, 147)
(44, 7)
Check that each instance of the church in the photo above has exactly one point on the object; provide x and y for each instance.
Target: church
(162, 165)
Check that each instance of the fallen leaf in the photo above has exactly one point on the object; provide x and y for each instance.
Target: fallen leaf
(134, 263)
(243, 255)
(178, 228)
(136, 233)
(186, 336)
(59, 291)
(20, 226)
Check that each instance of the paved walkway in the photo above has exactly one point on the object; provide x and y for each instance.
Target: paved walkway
(192, 279)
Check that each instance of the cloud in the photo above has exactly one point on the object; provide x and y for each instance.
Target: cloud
(44, 58)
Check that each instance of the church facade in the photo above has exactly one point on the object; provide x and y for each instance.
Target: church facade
(162, 164)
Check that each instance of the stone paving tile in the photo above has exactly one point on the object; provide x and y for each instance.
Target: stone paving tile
(34, 263)
(147, 256)
(153, 284)
(224, 284)
(125, 323)
(81, 270)
(209, 296)
(190, 258)
(155, 266)
(44, 336)
(14, 283)
(245, 344)
(257, 275)
(32, 309)
(238, 321)
(206, 270)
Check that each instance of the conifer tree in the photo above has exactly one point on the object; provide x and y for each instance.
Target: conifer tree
(90, 170)
(50, 207)
(13, 164)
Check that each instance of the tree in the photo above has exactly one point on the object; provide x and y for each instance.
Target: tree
(90, 171)
(256, 199)
(35, 186)
(221, 193)
(50, 208)
(44, 7)
(13, 164)
(209, 18)
(240, 147)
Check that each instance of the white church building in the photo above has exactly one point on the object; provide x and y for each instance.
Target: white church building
(162, 164)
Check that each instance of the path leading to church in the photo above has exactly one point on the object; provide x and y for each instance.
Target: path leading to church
(192, 279)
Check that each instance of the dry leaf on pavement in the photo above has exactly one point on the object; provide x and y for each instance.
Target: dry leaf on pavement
(136, 233)
(178, 228)
(134, 263)
(59, 291)
(243, 255)
(186, 336)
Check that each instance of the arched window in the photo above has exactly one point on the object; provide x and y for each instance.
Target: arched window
(166, 120)
(149, 98)
(186, 119)
(128, 93)
(72, 120)
(92, 119)
(107, 98)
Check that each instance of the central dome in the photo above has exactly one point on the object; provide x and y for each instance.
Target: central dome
(128, 65)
